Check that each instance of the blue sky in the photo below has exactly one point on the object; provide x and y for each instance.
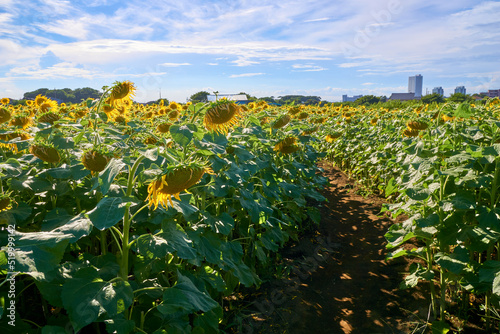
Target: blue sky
(264, 48)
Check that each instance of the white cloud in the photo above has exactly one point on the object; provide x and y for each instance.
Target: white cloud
(308, 68)
(174, 64)
(245, 75)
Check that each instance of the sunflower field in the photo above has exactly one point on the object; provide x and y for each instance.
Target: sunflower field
(123, 218)
(118, 217)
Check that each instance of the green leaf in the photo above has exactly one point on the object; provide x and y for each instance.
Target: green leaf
(38, 253)
(232, 256)
(108, 212)
(86, 297)
(119, 324)
(151, 154)
(16, 215)
(53, 330)
(11, 168)
(397, 236)
(185, 298)
(455, 262)
(417, 273)
(178, 241)
(76, 228)
(151, 246)
(418, 194)
(107, 176)
(183, 134)
(440, 327)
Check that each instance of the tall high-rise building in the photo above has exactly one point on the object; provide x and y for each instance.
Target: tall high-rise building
(438, 90)
(460, 89)
(415, 85)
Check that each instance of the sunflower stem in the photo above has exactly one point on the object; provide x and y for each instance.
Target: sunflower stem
(127, 221)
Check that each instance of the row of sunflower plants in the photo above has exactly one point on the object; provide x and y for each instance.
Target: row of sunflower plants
(118, 217)
(440, 167)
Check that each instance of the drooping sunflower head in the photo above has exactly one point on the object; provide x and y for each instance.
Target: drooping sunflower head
(303, 115)
(410, 133)
(39, 99)
(222, 116)
(95, 160)
(47, 105)
(331, 137)
(281, 122)
(5, 115)
(163, 127)
(21, 121)
(416, 125)
(5, 202)
(287, 145)
(45, 152)
(121, 91)
(173, 182)
(5, 101)
(173, 114)
(49, 117)
(374, 121)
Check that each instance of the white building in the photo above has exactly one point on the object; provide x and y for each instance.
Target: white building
(438, 90)
(346, 98)
(415, 85)
(460, 89)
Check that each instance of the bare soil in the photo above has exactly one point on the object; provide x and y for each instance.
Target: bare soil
(339, 281)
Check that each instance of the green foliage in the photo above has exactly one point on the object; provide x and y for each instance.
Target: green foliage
(199, 97)
(65, 95)
(432, 98)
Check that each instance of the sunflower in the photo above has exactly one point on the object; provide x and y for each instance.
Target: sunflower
(374, 121)
(410, 133)
(121, 91)
(29, 102)
(331, 138)
(281, 122)
(5, 115)
(175, 181)
(49, 117)
(5, 101)
(294, 110)
(47, 105)
(21, 121)
(287, 145)
(163, 127)
(95, 160)
(5, 202)
(303, 115)
(46, 153)
(173, 114)
(222, 116)
(416, 125)
(39, 99)
(309, 131)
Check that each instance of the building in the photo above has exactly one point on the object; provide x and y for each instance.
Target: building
(438, 90)
(346, 98)
(404, 96)
(415, 85)
(460, 89)
(237, 98)
(493, 93)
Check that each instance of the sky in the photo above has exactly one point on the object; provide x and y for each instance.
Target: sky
(174, 49)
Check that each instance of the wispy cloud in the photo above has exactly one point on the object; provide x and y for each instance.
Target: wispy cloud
(174, 64)
(245, 75)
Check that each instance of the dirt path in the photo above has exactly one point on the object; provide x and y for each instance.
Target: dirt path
(340, 281)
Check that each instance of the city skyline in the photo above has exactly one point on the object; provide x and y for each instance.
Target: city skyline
(319, 48)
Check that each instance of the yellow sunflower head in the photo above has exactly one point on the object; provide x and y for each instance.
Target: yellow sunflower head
(5, 202)
(21, 121)
(5, 101)
(331, 137)
(30, 102)
(287, 145)
(49, 117)
(410, 133)
(172, 183)
(47, 105)
(416, 125)
(163, 127)
(222, 116)
(5, 115)
(39, 99)
(45, 152)
(121, 91)
(95, 160)
(281, 122)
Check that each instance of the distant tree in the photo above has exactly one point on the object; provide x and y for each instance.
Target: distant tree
(199, 97)
(298, 99)
(459, 98)
(431, 98)
(66, 95)
(367, 100)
